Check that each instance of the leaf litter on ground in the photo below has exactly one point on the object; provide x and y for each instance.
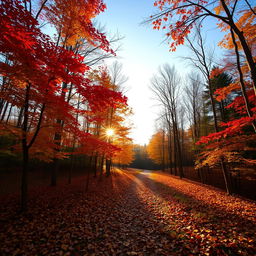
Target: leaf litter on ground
(129, 213)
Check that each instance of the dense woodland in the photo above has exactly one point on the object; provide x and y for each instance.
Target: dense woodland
(58, 102)
(208, 118)
(65, 122)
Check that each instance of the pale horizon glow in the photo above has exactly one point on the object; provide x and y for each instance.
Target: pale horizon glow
(143, 51)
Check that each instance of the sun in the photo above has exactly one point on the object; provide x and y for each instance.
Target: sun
(110, 132)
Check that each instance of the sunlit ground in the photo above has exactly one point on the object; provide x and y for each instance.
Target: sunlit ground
(133, 212)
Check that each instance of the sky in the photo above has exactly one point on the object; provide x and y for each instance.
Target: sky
(143, 51)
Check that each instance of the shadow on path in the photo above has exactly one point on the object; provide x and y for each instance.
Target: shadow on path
(125, 214)
(229, 231)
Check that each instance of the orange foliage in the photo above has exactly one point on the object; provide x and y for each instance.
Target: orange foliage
(156, 148)
(215, 72)
(73, 19)
(222, 93)
(126, 155)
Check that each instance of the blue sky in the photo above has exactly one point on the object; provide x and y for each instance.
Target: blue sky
(143, 51)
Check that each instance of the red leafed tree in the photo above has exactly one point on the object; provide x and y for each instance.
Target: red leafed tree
(235, 143)
(102, 116)
(36, 74)
(37, 68)
(73, 23)
(179, 17)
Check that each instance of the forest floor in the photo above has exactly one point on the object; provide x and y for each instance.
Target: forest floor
(131, 212)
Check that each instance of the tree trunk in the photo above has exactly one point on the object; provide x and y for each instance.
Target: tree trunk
(177, 140)
(56, 164)
(226, 178)
(163, 151)
(57, 140)
(101, 166)
(248, 55)
(108, 167)
(223, 166)
(74, 140)
(170, 152)
(24, 179)
(244, 44)
(174, 155)
(25, 152)
(95, 165)
(241, 79)
(19, 121)
(222, 111)
(5, 109)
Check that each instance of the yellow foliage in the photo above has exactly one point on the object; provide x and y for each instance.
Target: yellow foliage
(231, 151)
(125, 156)
(156, 148)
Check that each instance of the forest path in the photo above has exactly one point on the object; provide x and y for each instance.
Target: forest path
(130, 213)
